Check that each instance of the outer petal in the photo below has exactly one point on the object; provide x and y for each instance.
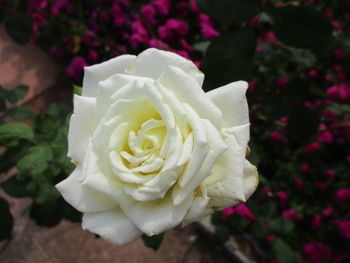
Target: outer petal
(250, 179)
(83, 198)
(112, 225)
(94, 74)
(232, 102)
(152, 62)
(81, 127)
(187, 90)
(226, 182)
(155, 217)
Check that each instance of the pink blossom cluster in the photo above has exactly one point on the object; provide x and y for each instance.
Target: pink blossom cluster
(110, 27)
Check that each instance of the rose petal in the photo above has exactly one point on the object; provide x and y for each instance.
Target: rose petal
(94, 74)
(187, 90)
(226, 182)
(217, 147)
(155, 217)
(81, 127)
(250, 179)
(152, 62)
(112, 225)
(83, 198)
(232, 102)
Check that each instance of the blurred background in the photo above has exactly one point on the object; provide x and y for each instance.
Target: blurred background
(295, 56)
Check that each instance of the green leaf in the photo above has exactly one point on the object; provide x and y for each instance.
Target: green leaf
(77, 90)
(14, 188)
(36, 159)
(12, 154)
(47, 193)
(16, 94)
(18, 27)
(153, 242)
(230, 11)
(6, 220)
(16, 130)
(2, 105)
(20, 113)
(229, 58)
(302, 124)
(45, 127)
(282, 226)
(283, 252)
(301, 26)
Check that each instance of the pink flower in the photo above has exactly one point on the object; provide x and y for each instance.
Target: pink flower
(342, 195)
(316, 222)
(328, 211)
(340, 92)
(163, 6)
(227, 212)
(330, 173)
(119, 16)
(271, 36)
(270, 238)
(290, 214)
(325, 137)
(313, 73)
(209, 32)
(305, 167)
(339, 53)
(284, 119)
(243, 210)
(172, 28)
(57, 6)
(298, 183)
(207, 28)
(193, 6)
(282, 81)
(275, 136)
(312, 147)
(148, 12)
(317, 252)
(282, 197)
(93, 55)
(75, 68)
(344, 228)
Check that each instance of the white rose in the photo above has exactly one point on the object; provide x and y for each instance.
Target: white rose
(152, 149)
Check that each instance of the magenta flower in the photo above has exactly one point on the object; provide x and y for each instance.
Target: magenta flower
(342, 195)
(316, 222)
(282, 198)
(317, 252)
(298, 183)
(325, 137)
(75, 68)
(243, 210)
(330, 173)
(328, 211)
(275, 136)
(312, 147)
(344, 228)
(290, 214)
(149, 12)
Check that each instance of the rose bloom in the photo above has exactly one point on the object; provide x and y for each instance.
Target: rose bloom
(152, 149)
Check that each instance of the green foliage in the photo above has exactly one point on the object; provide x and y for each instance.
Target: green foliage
(15, 130)
(16, 94)
(153, 242)
(229, 58)
(301, 26)
(283, 252)
(19, 27)
(6, 220)
(302, 124)
(20, 113)
(77, 90)
(230, 11)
